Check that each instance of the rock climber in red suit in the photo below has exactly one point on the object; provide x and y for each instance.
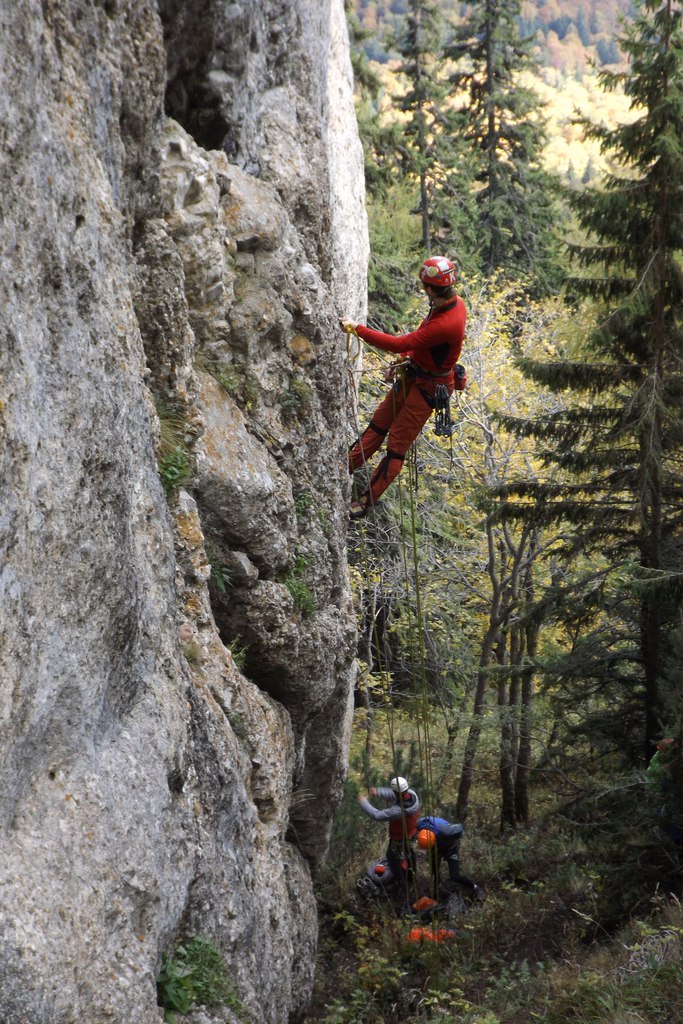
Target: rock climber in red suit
(432, 350)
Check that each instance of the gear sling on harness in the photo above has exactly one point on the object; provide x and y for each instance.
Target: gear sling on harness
(443, 423)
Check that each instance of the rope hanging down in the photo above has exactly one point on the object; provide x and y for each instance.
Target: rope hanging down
(415, 627)
(416, 624)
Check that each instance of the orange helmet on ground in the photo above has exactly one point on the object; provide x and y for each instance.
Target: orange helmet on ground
(425, 838)
(421, 934)
(438, 271)
(424, 903)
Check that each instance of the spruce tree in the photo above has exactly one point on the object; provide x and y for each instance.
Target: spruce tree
(380, 139)
(393, 241)
(432, 154)
(500, 122)
(615, 451)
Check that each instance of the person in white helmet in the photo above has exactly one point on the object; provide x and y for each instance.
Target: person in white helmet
(401, 811)
(430, 355)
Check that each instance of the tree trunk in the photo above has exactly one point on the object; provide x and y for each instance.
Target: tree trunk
(452, 725)
(514, 688)
(524, 756)
(492, 156)
(425, 218)
(531, 631)
(466, 775)
(651, 554)
(506, 768)
(491, 638)
(370, 636)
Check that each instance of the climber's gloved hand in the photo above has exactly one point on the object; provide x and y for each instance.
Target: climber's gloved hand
(347, 325)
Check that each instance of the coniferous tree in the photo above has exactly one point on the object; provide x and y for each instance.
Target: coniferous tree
(380, 139)
(500, 122)
(432, 155)
(414, 164)
(616, 450)
(391, 272)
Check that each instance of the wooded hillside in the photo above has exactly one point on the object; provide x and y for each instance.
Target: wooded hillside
(566, 34)
(519, 583)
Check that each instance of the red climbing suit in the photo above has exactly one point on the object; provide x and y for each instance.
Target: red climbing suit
(433, 350)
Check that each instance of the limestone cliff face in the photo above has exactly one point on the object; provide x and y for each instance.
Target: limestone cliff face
(182, 218)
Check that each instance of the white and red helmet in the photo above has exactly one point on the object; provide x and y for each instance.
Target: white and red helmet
(438, 271)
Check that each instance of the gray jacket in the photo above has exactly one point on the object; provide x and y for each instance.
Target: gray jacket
(395, 809)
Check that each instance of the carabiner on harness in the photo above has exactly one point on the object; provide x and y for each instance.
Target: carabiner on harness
(443, 424)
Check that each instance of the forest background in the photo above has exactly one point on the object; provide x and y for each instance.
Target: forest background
(519, 589)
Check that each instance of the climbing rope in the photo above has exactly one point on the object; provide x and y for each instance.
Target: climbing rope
(415, 626)
(366, 573)
(416, 621)
(414, 615)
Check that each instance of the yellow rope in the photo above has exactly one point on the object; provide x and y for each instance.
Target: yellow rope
(351, 332)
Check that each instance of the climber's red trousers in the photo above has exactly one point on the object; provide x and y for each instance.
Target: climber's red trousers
(401, 415)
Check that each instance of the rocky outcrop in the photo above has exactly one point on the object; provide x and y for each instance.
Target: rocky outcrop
(176, 635)
(269, 392)
(269, 84)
